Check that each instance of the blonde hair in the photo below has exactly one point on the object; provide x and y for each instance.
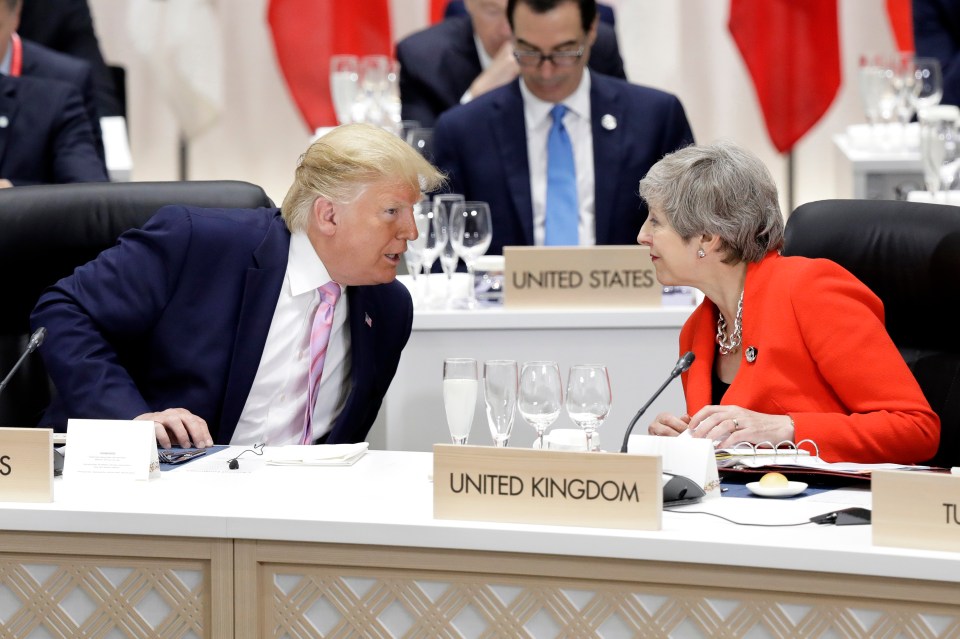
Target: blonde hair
(348, 159)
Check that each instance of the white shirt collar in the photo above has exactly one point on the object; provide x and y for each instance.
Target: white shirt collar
(485, 59)
(304, 268)
(7, 61)
(537, 111)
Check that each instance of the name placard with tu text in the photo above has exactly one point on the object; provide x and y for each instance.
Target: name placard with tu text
(26, 464)
(608, 490)
(915, 509)
(594, 276)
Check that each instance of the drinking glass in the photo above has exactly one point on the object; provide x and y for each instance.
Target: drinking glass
(460, 385)
(500, 385)
(927, 75)
(421, 138)
(369, 102)
(939, 146)
(471, 232)
(541, 396)
(588, 398)
(344, 85)
(429, 238)
(443, 204)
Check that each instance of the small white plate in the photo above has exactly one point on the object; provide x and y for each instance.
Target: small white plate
(792, 488)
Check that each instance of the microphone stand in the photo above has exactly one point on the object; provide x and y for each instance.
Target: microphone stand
(682, 365)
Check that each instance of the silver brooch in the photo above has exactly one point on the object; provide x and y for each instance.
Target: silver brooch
(4, 121)
(751, 354)
(608, 122)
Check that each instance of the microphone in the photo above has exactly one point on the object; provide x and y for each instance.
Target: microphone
(682, 365)
(35, 341)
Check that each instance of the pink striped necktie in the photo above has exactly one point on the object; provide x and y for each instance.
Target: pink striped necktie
(319, 338)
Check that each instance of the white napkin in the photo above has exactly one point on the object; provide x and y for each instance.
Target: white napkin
(321, 455)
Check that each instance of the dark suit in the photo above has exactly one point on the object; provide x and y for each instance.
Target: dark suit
(936, 30)
(45, 135)
(67, 26)
(177, 315)
(482, 147)
(458, 8)
(438, 65)
(41, 62)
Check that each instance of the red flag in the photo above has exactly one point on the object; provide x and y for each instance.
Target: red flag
(792, 50)
(437, 7)
(307, 32)
(901, 22)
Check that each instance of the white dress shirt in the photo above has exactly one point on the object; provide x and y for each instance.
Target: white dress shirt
(536, 115)
(275, 408)
(485, 61)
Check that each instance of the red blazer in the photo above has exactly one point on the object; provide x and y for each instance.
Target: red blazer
(823, 357)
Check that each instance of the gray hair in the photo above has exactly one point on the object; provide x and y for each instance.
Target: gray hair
(718, 189)
(344, 162)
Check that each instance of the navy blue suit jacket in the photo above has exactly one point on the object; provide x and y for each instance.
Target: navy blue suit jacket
(177, 315)
(482, 147)
(936, 30)
(438, 65)
(67, 26)
(41, 62)
(45, 135)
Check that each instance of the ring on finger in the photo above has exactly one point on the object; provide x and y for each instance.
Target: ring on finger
(736, 424)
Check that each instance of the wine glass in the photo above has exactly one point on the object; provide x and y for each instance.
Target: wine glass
(429, 239)
(442, 205)
(588, 398)
(930, 83)
(939, 146)
(460, 385)
(471, 232)
(369, 102)
(421, 138)
(500, 385)
(344, 85)
(541, 396)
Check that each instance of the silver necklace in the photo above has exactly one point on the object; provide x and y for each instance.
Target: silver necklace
(731, 344)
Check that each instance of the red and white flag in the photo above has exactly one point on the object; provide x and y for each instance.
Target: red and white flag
(792, 50)
(306, 33)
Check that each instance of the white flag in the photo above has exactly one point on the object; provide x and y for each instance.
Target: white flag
(182, 44)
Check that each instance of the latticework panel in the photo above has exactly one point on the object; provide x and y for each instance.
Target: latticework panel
(311, 601)
(96, 597)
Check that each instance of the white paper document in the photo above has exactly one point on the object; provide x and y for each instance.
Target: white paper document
(320, 455)
(109, 448)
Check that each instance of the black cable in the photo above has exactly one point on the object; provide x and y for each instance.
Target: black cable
(234, 464)
(738, 523)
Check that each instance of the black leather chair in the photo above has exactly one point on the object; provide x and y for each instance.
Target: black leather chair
(908, 253)
(47, 231)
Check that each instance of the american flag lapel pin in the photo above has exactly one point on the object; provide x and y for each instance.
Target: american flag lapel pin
(367, 320)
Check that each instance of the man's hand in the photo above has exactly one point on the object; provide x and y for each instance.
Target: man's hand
(503, 69)
(180, 425)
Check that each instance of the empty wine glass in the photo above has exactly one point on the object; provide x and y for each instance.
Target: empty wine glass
(460, 385)
(429, 240)
(344, 85)
(930, 83)
(541, 396)
(588, 398)
(500, 395)
(442, 205)
(471, 232)
(939, 146)
(369, 102)
(421, 138)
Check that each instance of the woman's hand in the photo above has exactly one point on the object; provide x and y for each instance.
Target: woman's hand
(669, 425)
(730, 425)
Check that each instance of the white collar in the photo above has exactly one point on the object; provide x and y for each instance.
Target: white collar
(304, 268)
(485, 58)
(577, 102)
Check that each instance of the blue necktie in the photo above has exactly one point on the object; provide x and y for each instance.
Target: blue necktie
(563, 209)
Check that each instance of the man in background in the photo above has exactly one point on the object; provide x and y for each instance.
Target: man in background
(464, 57)
(45, 135)
(559, 152)
(22, 57)
(280, 326)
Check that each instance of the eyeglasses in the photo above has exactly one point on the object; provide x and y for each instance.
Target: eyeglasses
(558, 58)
